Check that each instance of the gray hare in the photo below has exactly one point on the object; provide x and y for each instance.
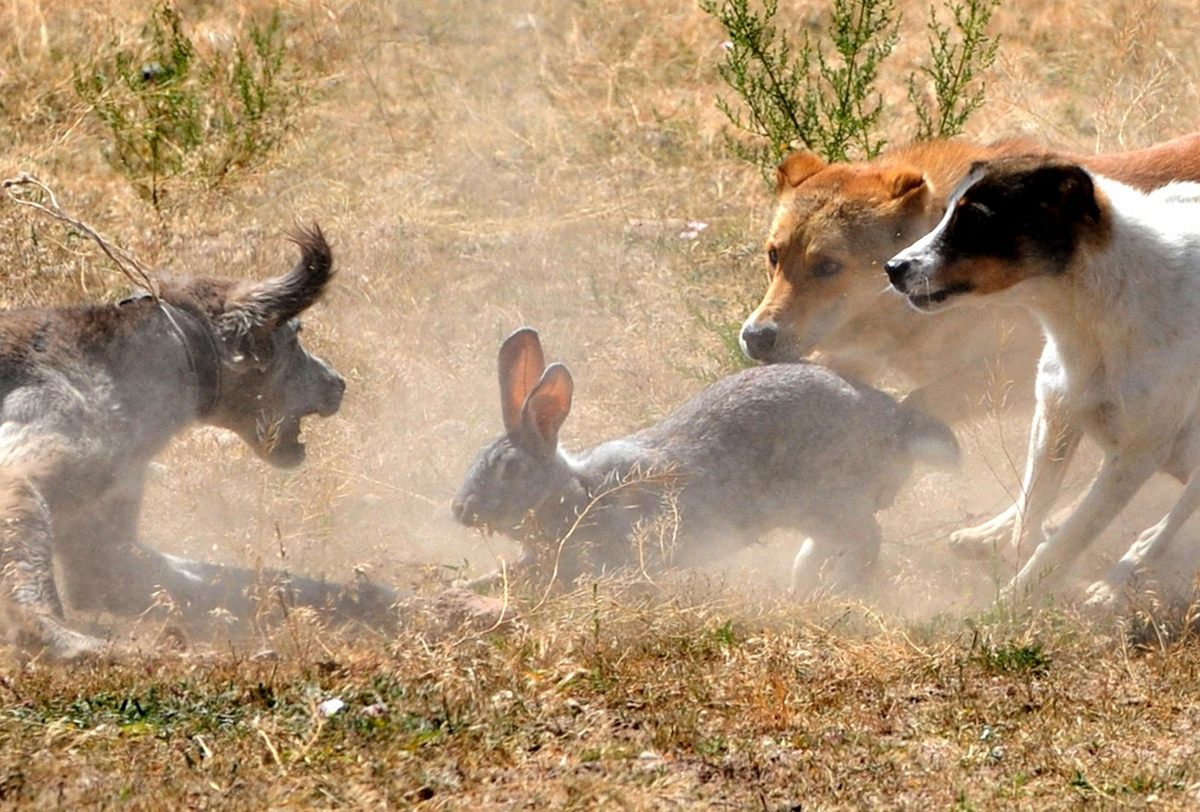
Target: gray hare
(781, 446)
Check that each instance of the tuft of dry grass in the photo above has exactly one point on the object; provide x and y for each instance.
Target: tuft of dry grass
(482, 166)
(687, 696)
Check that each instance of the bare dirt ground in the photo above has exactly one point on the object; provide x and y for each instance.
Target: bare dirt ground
(482, 166)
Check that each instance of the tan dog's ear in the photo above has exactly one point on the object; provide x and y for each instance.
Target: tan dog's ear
(796, 168)
(900, 181)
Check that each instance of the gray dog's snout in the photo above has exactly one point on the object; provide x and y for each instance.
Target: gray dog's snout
(759, 339)
(334, 390)
(896, 270)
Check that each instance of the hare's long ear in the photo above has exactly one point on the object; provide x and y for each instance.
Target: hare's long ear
(521, 365)
(545, 410)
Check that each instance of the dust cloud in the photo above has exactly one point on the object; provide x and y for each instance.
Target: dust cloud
(478, 168)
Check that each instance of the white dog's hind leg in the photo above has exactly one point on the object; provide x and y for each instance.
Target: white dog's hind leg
(1119, 480)
(1052, 444)
(1149, 547)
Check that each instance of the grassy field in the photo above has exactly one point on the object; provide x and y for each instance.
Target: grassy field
(482, 166)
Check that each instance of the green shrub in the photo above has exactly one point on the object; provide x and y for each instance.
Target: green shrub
(829, 102)
(166, 113)
(955, 64)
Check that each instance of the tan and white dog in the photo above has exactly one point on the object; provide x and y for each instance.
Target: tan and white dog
(834, 226)
(1113, 275)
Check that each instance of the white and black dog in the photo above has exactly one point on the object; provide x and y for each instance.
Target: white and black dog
(1113, 274)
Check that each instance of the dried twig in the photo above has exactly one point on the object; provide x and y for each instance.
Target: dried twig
(125, 262)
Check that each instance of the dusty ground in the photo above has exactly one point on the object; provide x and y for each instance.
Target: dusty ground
(482, 166)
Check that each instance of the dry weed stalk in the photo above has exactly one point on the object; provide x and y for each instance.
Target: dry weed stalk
(126, 262)
(662, 477)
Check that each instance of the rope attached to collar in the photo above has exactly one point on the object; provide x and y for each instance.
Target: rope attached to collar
(174, 314)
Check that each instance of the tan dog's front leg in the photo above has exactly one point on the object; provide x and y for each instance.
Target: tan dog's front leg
(1052, 443)
(1120, 478)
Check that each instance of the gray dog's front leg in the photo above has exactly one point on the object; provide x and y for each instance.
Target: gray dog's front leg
(28, 594)
(200, 588)
(124, 578)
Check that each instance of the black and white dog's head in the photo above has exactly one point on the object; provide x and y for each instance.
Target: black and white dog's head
(1008, 220)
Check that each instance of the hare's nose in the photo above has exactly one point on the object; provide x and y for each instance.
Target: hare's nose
(458, 506)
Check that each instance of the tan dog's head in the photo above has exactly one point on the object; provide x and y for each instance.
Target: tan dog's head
(834, 226)
(1009, 220)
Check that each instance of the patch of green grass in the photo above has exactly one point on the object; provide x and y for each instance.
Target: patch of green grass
(1024, 659)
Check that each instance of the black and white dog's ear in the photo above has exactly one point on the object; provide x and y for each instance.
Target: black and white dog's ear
(1063, 190)
(255, 309)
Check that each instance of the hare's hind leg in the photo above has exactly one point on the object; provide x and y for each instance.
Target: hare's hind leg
(839, 557)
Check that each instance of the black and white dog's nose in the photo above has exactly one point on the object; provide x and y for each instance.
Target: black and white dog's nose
(896, 270)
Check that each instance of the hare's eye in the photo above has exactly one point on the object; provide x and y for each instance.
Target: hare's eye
(509, 469)
(773, 256)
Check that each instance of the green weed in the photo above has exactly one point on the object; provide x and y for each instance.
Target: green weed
(166, 113)
(824, 95)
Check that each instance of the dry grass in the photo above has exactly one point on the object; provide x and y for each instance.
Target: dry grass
(481, 166)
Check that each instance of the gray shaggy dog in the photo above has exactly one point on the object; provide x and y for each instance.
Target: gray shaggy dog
(89, 395)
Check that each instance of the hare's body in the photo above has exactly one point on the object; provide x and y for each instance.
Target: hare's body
(784, 446)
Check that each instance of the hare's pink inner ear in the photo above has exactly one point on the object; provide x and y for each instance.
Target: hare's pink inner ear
(521, 367)
(547, 407)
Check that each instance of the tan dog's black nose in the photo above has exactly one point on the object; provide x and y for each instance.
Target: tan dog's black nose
(758, 340)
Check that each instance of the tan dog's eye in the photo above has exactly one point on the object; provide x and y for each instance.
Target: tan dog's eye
(773, 256)
(825, 268)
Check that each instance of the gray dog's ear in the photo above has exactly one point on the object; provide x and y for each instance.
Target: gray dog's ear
(521, 364)
(254, 309)
(545, 410)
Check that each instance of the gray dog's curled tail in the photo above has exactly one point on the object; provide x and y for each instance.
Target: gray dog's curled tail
(930, 440)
